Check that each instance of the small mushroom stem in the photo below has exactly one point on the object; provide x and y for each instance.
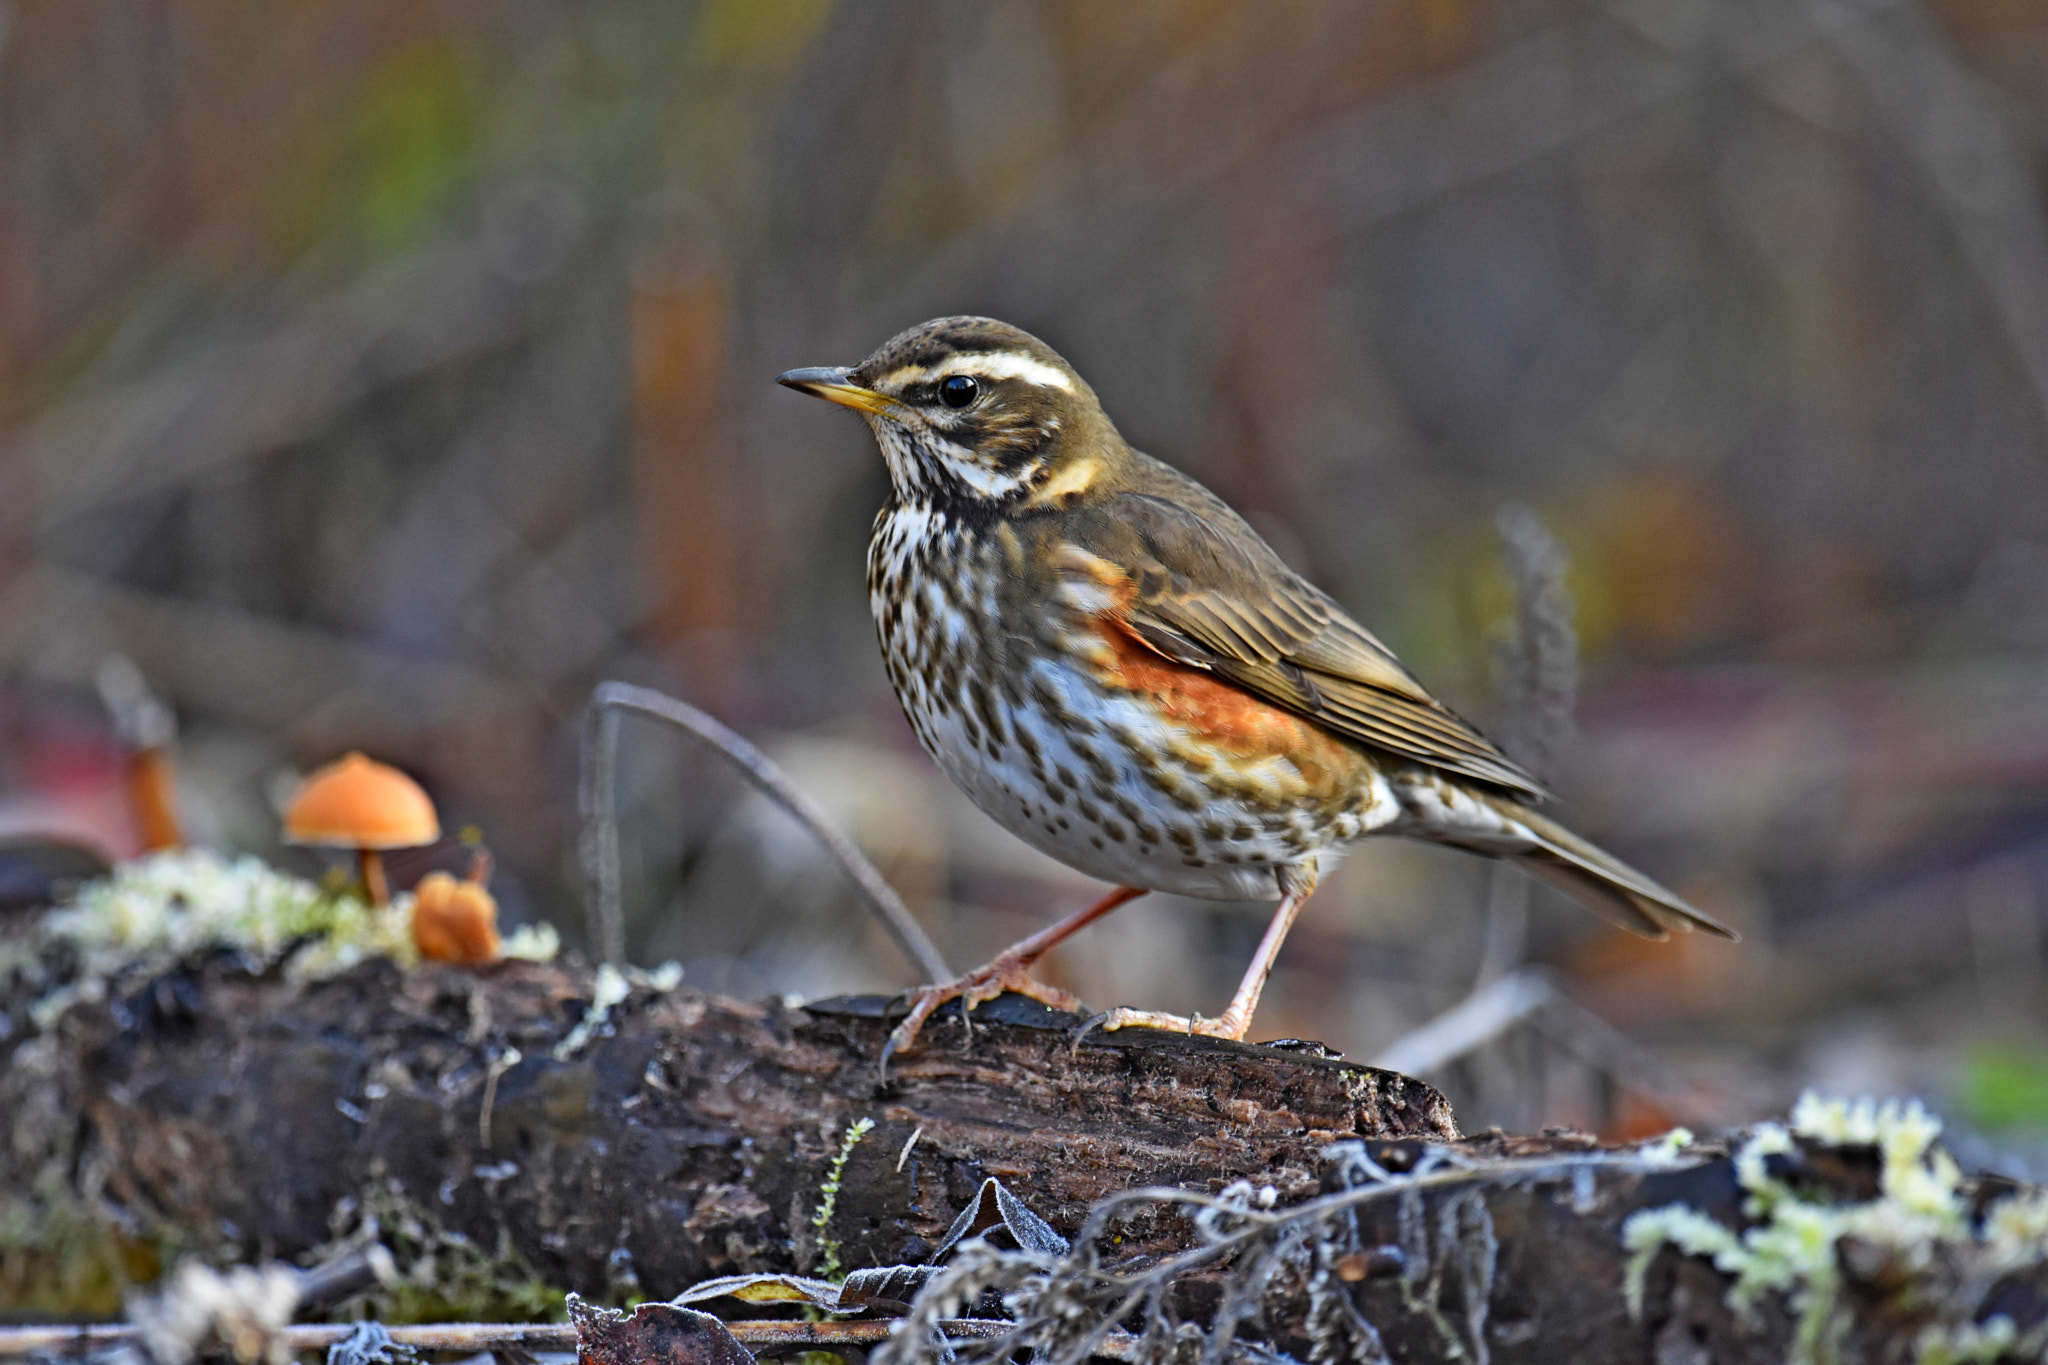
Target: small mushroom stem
(153, 788)
(372, 864)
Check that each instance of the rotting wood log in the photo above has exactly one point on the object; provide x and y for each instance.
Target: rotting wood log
(690, 1137)
(250, 1117)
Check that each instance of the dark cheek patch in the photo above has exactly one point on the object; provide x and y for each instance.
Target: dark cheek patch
(969, 431)
(1004, 442)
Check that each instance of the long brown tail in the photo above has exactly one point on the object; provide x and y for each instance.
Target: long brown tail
(1445, 810)
(1602, 882)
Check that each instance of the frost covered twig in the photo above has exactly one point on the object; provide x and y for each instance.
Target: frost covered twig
(469, 1338)
(1066, 1304)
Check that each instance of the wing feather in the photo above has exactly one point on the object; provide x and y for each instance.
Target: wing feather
(1207, 592)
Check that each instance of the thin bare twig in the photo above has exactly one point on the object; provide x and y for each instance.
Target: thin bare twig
(1539, 684)
(600, 836)
(543, 1336)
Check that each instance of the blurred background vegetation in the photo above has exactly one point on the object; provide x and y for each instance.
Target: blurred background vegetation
(384, 375)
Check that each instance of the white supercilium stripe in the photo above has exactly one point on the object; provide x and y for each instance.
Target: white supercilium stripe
(984, 365)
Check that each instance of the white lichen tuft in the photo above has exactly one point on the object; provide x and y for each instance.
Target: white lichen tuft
(1691, 1231)
(1993, 1341)
(178, 902)
(1667, 1151)
(201, 1311)
(1793, 1244)
(610, 988)
(165, 908)
(1920, 1181)
(2016, 1230)
(533, 943)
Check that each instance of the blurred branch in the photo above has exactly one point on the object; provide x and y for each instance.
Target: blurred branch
(315, 686)
(147, 729)
(1539, 684)
(224, 402)
(1550, 90)
(1539, 663)
(600, 838)
(1531, 996)
(1945, 120)
(1532, 98)
(1470, 1024)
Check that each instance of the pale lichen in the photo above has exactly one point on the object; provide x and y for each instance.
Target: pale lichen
(167, 908)
(610, 988)
(1792, 1243)
(1667, 1151)
(240, 1312)
(1993, 1341)
(537, 942)
(2016, 1229)
(160, 910)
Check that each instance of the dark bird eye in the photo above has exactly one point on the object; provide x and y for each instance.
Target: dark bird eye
(958, 390)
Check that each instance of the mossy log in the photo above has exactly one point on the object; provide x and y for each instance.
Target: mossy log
(688, 1137)
(247, 1116)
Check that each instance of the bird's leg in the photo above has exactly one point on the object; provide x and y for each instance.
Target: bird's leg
(1237, 1019)
(1010, 970)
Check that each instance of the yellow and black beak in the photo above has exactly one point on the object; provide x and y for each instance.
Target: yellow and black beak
(835, 384)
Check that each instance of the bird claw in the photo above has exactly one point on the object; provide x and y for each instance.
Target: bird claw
(1193, 1024)
(978, 987)
(1086, 1027)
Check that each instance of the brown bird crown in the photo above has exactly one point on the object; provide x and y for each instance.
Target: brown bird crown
(970, 410)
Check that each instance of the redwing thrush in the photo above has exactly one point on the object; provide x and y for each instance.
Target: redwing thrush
(1112, 664)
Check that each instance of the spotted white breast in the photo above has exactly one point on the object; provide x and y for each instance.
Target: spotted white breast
(1104, 768)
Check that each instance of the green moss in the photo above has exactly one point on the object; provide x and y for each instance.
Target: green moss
(828, 1199)
(2005, 1086)
(443, 1276)
(63, 1257)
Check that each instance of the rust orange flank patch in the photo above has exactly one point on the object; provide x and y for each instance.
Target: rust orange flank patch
(1236, 726)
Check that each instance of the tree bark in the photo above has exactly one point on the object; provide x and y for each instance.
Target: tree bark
(689, 1137)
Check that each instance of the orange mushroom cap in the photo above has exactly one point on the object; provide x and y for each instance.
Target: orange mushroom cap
(357, 802)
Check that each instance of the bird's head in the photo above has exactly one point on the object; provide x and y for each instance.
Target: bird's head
(971, 410)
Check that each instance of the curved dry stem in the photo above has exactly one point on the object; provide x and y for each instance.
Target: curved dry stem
(599, 843)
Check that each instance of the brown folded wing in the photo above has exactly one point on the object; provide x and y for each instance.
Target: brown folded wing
(1207, 592)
